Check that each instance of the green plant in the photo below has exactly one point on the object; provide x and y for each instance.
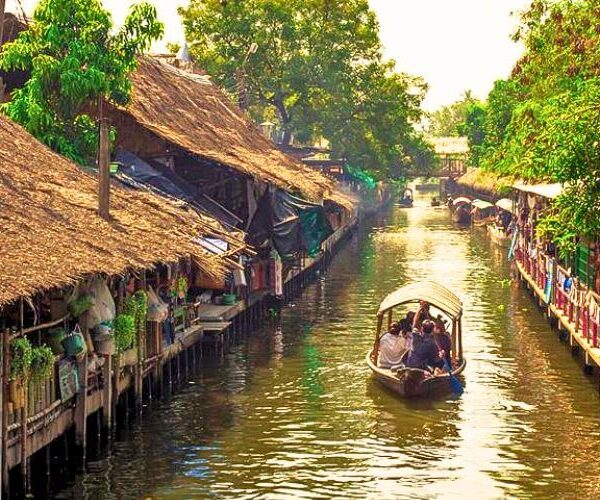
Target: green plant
(21, 357)
(124, 331)
(74, 57)
(42, 363)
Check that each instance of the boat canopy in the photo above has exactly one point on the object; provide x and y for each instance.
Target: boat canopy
(481, 205)
(505, 204)
(461, 201)
(429, 291)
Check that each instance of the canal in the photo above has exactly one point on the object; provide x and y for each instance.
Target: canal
(293, 412)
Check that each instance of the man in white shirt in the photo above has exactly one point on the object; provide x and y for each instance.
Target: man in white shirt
(391, 348)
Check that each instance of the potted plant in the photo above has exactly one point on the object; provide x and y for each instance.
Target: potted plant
(21, 357)
(42, 363)
(124, 331)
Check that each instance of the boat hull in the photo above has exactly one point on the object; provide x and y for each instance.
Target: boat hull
(413, 383)
(483, 222)
(461, 215)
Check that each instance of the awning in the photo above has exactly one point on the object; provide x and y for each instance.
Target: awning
(505, 204)
(429, 291)
(461, 201)
(481, 204)
(549, 191)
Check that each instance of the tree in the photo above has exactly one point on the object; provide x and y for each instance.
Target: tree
(74, 60)
(543, 123)
(446, 121)
(317, 64)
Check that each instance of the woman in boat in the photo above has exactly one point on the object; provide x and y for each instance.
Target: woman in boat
(391, 348)
(442, 340)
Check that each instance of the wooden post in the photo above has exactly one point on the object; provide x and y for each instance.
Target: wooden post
(24, 456)
(81, 408)
(107, 393)
(104, 171)
(2, 9)
(5, 367)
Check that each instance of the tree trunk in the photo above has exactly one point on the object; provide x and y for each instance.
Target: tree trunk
(286, 119)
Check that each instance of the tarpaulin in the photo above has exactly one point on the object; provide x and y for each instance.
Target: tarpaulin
(294, 225)
(137, 170)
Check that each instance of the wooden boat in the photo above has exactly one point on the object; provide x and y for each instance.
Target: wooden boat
(407, 199)
(461, 214)
(482, 213)
(410, 382)
(499, 236)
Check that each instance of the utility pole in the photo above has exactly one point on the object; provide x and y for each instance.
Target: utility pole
(103, 165)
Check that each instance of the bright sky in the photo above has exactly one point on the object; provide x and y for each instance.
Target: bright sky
(454, 44)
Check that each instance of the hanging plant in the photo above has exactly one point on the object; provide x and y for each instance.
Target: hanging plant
(124, 331)
(21, 357)
(179, 288)
(42, 363)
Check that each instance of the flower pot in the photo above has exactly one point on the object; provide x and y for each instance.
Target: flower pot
(104, 344)
(229, 299)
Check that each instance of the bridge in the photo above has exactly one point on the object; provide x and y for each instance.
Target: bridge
(453, 155)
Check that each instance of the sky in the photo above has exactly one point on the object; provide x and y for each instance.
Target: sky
(455, 45)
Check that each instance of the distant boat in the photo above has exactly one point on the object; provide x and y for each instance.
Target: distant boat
(407, 199)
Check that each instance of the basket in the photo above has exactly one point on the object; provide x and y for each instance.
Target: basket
(74, 343)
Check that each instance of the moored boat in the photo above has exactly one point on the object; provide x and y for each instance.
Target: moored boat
(482, 213)
(461, 210)
(411, 382)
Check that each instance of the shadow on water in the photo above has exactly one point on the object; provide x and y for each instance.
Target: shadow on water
(293, 410)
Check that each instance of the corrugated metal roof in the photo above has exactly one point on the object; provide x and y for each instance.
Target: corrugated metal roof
(549, 191)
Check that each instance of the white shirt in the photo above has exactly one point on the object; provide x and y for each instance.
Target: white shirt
(391, 349)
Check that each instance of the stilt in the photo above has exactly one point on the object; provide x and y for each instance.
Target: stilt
(81, 410)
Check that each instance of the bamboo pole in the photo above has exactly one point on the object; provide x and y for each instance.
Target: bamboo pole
(5, 365)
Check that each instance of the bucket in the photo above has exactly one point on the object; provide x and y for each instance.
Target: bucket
(229, 299)
(74, 344)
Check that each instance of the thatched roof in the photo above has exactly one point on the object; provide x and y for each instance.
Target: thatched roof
(189, 111)
(450, 146)
(51, 235)
(485, 181)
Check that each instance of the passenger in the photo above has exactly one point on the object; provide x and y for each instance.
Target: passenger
(422, 315)
(424, 354)
(444, 343)
(391, 348)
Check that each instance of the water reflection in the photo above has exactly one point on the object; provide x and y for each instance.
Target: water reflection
(293, 411)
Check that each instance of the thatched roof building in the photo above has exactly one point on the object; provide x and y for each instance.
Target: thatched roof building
(188, 110)
(479, 181)
(51, 235)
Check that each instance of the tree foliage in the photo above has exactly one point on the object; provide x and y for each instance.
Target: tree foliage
(543, 123)
(318, 65)
(448, 120)
(73, 59)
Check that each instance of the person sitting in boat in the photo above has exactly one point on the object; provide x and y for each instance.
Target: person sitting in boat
(391, 348)
(443, 342)
(422, 315)
(424, 354)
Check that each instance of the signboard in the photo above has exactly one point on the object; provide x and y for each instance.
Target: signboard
(68, 379)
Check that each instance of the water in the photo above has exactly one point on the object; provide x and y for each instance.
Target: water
(293, 412)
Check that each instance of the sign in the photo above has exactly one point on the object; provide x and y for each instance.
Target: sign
(68, 379)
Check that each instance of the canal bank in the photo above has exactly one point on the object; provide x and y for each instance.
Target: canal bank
(291, 410)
